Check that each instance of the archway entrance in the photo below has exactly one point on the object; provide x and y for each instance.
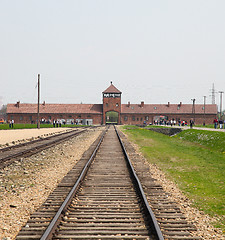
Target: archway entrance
(111, 117)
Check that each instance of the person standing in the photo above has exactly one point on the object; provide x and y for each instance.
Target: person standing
(12, 122)
(191, 123)
(221, 123)
(215, 121)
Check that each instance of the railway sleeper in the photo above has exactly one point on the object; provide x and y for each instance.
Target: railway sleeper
(109, 237)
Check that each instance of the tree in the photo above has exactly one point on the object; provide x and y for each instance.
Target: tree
(3, 111)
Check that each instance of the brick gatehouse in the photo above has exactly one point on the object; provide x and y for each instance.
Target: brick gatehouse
(111, 111)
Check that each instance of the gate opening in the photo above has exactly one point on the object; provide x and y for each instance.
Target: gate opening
(112, 117)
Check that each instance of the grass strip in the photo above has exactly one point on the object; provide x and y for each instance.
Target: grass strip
(194, 160)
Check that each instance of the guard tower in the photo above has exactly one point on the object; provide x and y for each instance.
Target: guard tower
(111, 105)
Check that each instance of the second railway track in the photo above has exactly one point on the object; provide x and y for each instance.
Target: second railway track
(10, 154)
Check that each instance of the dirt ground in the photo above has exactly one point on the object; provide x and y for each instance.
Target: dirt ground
(14, 135)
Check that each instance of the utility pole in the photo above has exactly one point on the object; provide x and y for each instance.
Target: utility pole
(221, 96)
(193, 108)
(38, 109)
(204, 110)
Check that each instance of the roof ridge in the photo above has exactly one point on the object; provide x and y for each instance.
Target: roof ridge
(112, 89)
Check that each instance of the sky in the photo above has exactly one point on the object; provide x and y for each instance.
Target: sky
(153, 51)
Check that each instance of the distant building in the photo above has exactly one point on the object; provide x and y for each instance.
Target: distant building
(111, 111)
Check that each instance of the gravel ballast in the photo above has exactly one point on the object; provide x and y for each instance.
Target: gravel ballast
(26, 184)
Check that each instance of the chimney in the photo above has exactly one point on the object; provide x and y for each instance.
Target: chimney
(128, 104)
(168, 104)
(180, 104)
(18, 104)
(43, 103)
(142, 104)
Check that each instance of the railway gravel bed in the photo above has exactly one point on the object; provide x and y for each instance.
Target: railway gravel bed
(104, 206)
(25, 184)
(18, 201)
(199, 223)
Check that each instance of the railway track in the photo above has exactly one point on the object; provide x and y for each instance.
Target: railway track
(105, 204)
(12, 153)
(105, 200)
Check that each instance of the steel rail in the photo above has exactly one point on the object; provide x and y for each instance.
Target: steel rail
(58, 216)
(155, 227)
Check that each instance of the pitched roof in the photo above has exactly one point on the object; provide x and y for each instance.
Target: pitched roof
(125, 108)
(112, 89)
(168, 109)
(55, 108)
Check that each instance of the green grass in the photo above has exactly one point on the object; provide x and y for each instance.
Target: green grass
(206, 126)
(24, 126)
(214, 141)
(194, 160)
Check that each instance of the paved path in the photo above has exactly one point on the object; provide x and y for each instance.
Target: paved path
(200, 128)
(7, 136)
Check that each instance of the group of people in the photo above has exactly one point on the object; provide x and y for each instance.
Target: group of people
(219, 123)
(11, 122)
(172, 122)
(58, 123)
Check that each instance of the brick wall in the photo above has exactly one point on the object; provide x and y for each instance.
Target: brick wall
(32, 118)
(111, 104)
(133, 119)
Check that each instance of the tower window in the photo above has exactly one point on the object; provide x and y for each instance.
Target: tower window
(117, 104)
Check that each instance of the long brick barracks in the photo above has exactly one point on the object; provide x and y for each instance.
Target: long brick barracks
(112, 111)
